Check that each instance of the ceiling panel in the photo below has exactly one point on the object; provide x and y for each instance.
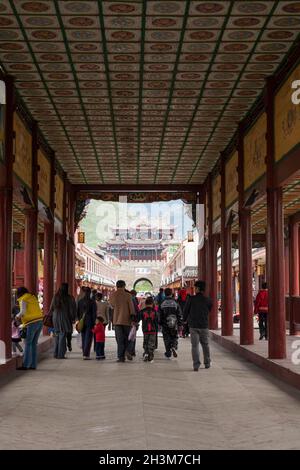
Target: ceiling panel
(142, 91)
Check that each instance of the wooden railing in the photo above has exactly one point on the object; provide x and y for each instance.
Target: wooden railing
(292, 304)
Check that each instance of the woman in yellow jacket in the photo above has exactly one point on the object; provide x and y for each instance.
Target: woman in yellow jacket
(31, 317)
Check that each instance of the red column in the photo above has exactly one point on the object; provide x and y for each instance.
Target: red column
(286, 268)
(71, 244)
(71, 266)
(202, 263)
(294, 259)
(245, 267)
(293, 269)
(49, 245)
(213, 317)
(211, 260)
(275, 242)
(6, 200)
(48, 265)
(226, 265)
(299, 255)
(275, 273)
(245, 254)
(61, 260)
(31, 224)
(30, 250)
(61, 275)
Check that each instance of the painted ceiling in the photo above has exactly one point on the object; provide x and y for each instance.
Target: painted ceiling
(142, 91)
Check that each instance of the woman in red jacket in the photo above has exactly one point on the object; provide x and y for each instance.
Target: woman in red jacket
(261, 307)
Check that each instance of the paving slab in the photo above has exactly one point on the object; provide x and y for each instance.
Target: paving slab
(76, 404)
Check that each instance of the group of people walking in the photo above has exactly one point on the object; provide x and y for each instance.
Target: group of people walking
(91, 314)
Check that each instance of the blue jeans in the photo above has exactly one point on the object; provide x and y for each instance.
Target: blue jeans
(100, 350)
(60, 345)
(87, 338)
(121, 333)
(33, 332)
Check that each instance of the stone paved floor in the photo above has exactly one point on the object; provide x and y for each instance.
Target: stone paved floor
(75, 404)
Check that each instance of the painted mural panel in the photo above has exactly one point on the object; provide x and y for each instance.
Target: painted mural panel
(216, 197)
(44, 178)
(255, 151)
(231, 180)
(23, 151)
(287, 117)
(59, 196)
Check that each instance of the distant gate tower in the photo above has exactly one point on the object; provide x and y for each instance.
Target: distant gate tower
(140, 243)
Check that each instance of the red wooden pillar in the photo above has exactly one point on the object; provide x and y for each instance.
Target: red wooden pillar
(212, 286)
(245, 254)
(226, 264)
(294, 259)
(299, 254)
(286, 268)
(213, 319)
(245, 267)
(31, 225)
(49, 243)
(71, 243)
(71, 266)
(6, 201)
(275, 242)
(202, 262)
(61, 275)
(293, 269)
(30, 251)
(61, 260)
(48, 264)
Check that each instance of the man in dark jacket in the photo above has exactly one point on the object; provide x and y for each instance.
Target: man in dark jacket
(170, 318)
(196, 314)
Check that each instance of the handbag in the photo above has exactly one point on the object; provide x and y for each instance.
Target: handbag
(23, 333)
(80, 324)
(48, 321)
(132, 333)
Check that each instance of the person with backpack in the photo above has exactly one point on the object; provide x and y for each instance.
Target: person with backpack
(170, 319)
(196, 314)
(261, 307)
(148, 316)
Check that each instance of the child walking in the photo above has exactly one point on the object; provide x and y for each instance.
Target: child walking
(16, 332)
(99, 332)
(149, 326)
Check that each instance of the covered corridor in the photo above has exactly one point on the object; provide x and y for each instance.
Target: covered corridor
(74, 404)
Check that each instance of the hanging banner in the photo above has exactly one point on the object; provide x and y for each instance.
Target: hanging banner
(23, 152)
(216, 197)
(80, 237)
(255, 151)
(231, 180)
(287, 117)
(44, 178)
(59, 197)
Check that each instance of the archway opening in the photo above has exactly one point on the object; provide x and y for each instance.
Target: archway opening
(143, 285)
